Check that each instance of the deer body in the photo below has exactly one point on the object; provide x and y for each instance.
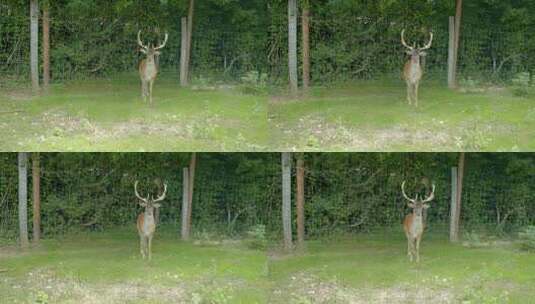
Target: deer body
(414, 223)
(148, 70)
(412, 71)
(146, 224)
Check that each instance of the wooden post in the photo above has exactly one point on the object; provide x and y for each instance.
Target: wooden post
(454, 224)
(452, 83)
(191, 183)
(460, 177)
(189, 35)
(300, 201)
(457, 36)
(36, 187)
(34, 44)
(292, 45)
(184, 53)
(46, 47)
(23, 199)
(287, 200)
(184, 232)
(305, 24)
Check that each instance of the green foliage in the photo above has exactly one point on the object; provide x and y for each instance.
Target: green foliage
(257, 237)
(254, 82)
(522, 85)
(527, 238)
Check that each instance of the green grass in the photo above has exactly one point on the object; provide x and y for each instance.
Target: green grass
(359, 268)
(376, 265)
(101, 266)
(109, 115)
(374, 116)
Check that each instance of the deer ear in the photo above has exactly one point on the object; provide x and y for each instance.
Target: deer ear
(411, 205)
(157, 205)
(423, 54)
(142, 50)
(426, 206)
(157, 53)
(143, 204)
(408, 52)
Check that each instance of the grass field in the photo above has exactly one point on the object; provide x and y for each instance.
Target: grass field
(374, 116)
(363, 268)
(109, 115)
(375, 269)
(107, 268)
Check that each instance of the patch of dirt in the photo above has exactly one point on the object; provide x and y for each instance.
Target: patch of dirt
(306, 288)
(46, 287)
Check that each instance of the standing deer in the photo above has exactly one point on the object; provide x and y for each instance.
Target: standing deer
(148, 68)
(414, 223)
(412, 71)
(146, 225)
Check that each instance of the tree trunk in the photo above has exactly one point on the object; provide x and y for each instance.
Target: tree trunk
(460, 176)
(189, 34)
(184, 53)
(300, 201)
(191, 183)
(454, 221)
(184, 233)
(458, 17)
(46, 47)
(305, 23)
(34, 44)
(36, 187)
(452, 83)
(23, 199)
(287, 200)
(292, 45)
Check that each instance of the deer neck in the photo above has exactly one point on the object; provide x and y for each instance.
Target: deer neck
(417, 223)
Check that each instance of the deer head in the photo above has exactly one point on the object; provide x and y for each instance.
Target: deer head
(414, 51)
(150, 203)
(417, 204)
(150, 50)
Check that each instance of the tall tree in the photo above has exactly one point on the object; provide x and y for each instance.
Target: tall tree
(23, 198)
(36, 189)
(292, 45)
(191, 10)
(305, 24)
(34, 44)
(46, 45)
(300, 199)
(457, 37)
(287, 200)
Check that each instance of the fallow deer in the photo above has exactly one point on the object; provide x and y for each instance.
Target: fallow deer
(412, 71)
(146, 225)
(414, 223)
(148, 69)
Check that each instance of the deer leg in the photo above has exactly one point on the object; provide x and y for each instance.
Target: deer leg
(416, 87)
(150, 91)
(409, 93)
(150, 247)
(418, 249)
(141, 246)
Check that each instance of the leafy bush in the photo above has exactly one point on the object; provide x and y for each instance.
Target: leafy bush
(257, 237)
(522, 85)
(527, 238)
(254, 82)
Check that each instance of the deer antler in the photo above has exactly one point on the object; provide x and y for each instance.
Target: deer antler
(139, 196)
(161, 197)
(164, 42)
(139, 40)
(428, 45)
(403, 41)
(431, 196)
(405, 195)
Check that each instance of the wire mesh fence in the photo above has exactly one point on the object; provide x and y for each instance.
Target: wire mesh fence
(343, 47)
(344, 193)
